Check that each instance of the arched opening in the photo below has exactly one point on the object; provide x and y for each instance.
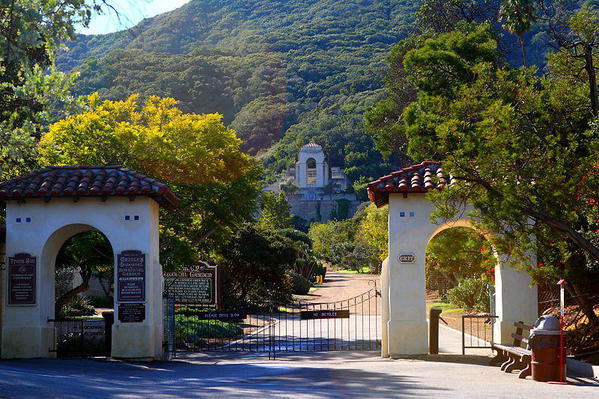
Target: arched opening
(78, 265)
(460, 268)
(311, 171)
(84, 275)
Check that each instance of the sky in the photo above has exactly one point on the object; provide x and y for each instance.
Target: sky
(130, 13)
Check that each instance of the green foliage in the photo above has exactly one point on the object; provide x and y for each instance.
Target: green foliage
(31, 90)
(88, 254)
(190, 330)
(255, 263)
(344, 244)
(266, 66)
(78, 306)
(517, 17)
(457, 254)
(497, 129)
(301, 285)
(274, 213)
(472, 295)
(326, 235)
(158, 139)
(373, 232)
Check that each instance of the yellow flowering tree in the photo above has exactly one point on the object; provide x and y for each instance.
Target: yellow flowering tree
(196, 155)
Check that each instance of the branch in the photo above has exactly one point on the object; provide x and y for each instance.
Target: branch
(541, 216)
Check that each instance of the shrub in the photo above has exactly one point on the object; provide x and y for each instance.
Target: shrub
(320, 270)
(471, 294)
(78, 306)
(101, 301)
(301, 286)
(190, 331)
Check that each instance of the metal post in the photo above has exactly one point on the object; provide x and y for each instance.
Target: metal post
(463, 336)
(433, 336)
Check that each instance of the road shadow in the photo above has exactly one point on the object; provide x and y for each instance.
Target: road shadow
(260, 378)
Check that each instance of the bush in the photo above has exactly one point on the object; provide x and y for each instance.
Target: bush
(320, 270)
(190, 331)
(254, 269)
(79, 306)
(471, 294)
(300, 285)
(101, 301)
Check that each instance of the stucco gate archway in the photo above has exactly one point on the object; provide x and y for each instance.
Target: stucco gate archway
(404, 324)
(46, 208)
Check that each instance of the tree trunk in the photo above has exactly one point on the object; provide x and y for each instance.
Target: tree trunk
(66, 298)
(590, 69)
(523, 48)
(582, 301)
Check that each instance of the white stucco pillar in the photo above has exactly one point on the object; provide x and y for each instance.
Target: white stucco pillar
(515, 299)
(409, 230)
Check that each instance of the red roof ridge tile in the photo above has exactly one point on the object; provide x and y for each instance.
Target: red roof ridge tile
(86, 181)
(416, 178)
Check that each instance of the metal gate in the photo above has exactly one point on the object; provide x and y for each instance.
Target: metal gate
(349, 325)
(81, 337)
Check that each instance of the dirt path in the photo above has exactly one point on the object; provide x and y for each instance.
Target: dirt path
(342, 286)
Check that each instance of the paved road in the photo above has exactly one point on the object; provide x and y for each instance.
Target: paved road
(314, 375)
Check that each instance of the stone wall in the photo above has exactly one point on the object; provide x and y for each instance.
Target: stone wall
(322, 210)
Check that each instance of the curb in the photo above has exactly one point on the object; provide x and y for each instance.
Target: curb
(576, 368)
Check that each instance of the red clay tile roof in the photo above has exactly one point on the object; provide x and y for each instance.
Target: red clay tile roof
(86, 181)
(413, 179)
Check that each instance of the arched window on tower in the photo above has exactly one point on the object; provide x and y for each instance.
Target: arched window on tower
(311, 171)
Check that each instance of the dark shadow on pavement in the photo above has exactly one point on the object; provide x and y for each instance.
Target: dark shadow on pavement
(260, 378)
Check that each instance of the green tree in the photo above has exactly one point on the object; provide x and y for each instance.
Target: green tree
(274, 212)
(497, 130)
(373, 232)
(458, 254)
(577, 43)
(196, 155)
(255, 266)
(517, 16)
(325, 236)
(32, 92)
(87, 254)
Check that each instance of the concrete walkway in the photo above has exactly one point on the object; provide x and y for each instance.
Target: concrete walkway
(450, 342)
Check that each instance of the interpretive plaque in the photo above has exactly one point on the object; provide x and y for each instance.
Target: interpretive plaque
(131, 276)
(193, 285)
(132, 312)
(324, 314)
(21, 279)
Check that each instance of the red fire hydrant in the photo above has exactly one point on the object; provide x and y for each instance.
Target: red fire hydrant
(544, 344)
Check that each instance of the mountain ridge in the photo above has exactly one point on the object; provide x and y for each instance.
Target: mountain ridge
(266, 65)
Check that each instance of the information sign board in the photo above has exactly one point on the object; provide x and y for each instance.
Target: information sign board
(193, 285)
(131, 276)
(132, 312)
(21, 279)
